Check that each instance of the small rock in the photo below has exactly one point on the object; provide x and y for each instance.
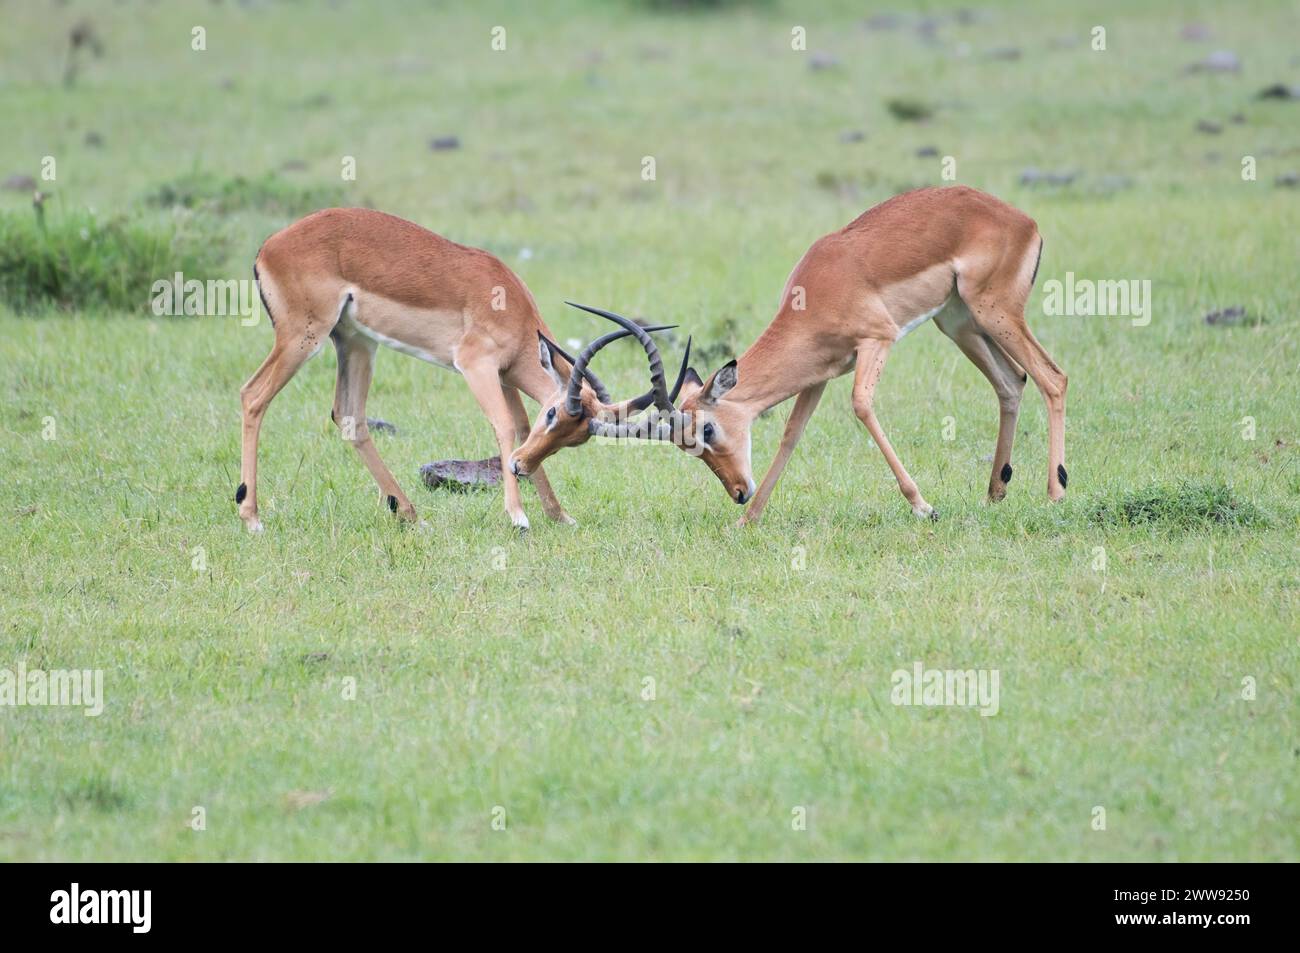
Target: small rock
(1208, 127)
(821, 60)
(1287, 180)
(444, 143)
(316, 657)
(293, 165)
(1004, 53)
(927, 152)
(460, 476)
(19, 183)
(927, 28)
(852, 135)
(1237, 119)
(1220, 61)
(380, 426)
(1279, 91)
(93, 139)
(1033, 176)
(1232, 315)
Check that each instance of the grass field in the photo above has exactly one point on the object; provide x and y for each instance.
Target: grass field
(499, 677)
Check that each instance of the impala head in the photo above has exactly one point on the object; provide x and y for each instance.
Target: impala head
(717, 431)
(581, 406)
(693, 415)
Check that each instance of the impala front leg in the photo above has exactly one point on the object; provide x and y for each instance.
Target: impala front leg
(484, 380)
(804, 406)
(550, 502)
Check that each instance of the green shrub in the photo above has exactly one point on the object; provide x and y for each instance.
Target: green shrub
(1185, 506)
(269, 194)
(78, 261)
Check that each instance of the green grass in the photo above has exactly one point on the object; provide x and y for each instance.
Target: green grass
(496, 671)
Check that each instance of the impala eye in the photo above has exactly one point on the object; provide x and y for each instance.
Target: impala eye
(550, 416)
(708, 433)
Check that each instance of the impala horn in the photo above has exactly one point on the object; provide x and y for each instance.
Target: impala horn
(573, 397)
(658, 394)
(602, 394)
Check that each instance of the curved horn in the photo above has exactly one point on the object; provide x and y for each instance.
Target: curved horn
(681, 374)
(658, 387)
(646, 399)
(602, 394)
(573, 398)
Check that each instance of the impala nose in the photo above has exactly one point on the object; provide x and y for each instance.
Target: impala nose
(741, 495)
(514, 466)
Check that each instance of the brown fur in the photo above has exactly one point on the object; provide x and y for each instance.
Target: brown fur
(361, 278)
(955, 249)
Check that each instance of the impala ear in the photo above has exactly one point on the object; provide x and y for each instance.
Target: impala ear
(545, 351)
(691, 385)
(723, 379)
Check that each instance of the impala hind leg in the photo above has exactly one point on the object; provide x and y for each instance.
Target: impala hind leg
(267, 381)
(1002, 318)
(484, 380)
(871, 361)
(356, 356)
(550, 503)
(1007, 379)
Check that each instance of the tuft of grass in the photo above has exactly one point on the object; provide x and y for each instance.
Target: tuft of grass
(269, 194)
(909, 110)
(97, 793)
(1184, 506)
(78, 261)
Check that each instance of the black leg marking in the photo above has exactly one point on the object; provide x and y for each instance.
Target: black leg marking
(241, 493)
(392, 504)
(1005, 475)
(1062, 476)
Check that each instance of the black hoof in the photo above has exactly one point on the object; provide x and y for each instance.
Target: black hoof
(1062, 476)
(1005, 475)
(241, 493)
(392, 504)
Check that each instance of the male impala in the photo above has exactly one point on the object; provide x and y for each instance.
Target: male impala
(954, 254)
(363, 278)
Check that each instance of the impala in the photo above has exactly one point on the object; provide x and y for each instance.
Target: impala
(954, 254)
(363, 278)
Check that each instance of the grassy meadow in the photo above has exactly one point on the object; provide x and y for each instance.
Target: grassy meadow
(652, 683)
